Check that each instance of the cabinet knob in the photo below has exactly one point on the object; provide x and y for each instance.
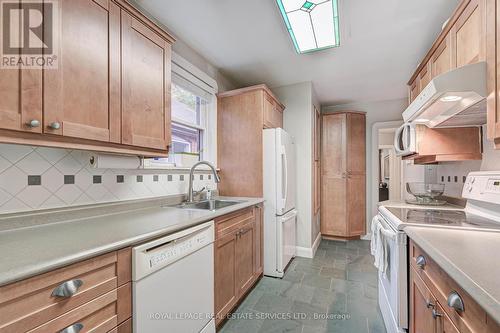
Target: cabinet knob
(68, 288)
(436, 314)
(33, 123)
(430, 304)
(75, 328)
(421, 261)
(55, 125)
(455, 301)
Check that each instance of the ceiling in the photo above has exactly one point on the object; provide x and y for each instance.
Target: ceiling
(382, 42)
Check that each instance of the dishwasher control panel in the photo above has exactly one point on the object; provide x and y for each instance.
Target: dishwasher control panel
(152, 256)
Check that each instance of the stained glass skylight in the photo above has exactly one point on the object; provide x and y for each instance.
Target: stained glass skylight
(312, 24)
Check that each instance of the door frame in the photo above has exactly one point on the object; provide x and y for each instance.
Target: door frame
(373, 185)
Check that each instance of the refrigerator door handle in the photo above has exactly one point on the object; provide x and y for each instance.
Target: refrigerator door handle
(284, 177)
(288, 216)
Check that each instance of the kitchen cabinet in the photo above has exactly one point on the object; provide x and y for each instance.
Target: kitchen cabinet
(430, 289)
(47, 303)
(238, 258)
(343, 174)
(413, 90)
(241, 116)
(316, 162)
(493, 61)
(89, 107)
(442, 60)
(120, 102)
(146, 85)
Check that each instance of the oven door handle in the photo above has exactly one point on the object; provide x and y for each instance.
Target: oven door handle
(386, 230)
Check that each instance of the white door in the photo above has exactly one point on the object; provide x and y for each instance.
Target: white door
(286, 239)
(285, 171)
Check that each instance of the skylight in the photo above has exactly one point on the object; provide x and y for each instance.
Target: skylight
(312, 24)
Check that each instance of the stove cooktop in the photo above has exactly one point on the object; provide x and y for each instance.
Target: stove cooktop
(442, 218)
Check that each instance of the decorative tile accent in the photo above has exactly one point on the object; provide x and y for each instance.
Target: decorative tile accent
(66, 178)
(34, 180)
(69, 179)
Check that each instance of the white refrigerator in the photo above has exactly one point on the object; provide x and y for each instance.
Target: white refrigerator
(280, 215)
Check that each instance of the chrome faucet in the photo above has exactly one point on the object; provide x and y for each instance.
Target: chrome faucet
(191, 173)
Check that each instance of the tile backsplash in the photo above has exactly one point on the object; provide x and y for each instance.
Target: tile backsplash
(34, 178)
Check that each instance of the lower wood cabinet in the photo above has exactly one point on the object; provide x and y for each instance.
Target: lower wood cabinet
(94, 295)
(430, 288)
(238, 258)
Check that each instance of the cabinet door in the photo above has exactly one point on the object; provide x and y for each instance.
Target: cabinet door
(259, 241)
(493, 59)
(413, 90)
(469, 34)
(334, 174)
(442, 59)
(424, 77)
(273, 115)
(145, 85)
(225, 280)
(421, 302)
(356, 206)
(245, 257)
(21, 100)
(82, 96)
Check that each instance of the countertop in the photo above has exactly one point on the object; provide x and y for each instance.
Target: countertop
(36, 249)
(469, 258)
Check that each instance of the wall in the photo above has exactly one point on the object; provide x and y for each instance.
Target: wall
(297, 120)
(62, 178)
(378, 111)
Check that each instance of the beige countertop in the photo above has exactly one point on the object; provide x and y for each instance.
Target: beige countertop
(403, 204)
(469, 257)
(36, 249)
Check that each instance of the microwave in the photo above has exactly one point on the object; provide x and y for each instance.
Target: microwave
(405, 140)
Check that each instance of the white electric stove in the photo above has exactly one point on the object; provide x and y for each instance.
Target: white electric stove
(482, 212)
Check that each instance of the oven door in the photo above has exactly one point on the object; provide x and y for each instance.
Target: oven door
(405, 140)
(393, 283)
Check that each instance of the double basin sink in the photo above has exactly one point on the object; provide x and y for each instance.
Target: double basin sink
(212, 204)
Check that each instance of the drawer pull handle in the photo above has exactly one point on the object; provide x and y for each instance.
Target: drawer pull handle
(75, 328)
(430, 305)
(455, 301)
(68, 288)
(436, 314)
(421, 262)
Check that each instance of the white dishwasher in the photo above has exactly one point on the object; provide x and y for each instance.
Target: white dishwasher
(173, 282)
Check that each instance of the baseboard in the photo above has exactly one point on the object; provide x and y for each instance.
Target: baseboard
(309, 252)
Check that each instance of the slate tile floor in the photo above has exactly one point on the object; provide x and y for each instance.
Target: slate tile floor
(336, 291)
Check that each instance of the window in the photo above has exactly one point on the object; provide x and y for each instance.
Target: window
(189, 115)
(193, 117)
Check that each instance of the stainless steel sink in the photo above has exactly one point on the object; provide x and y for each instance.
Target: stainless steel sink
(213, 204)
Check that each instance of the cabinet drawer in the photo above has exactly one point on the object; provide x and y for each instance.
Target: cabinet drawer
(98, 315)
(473, 318)
(232, 222)
(31, 303)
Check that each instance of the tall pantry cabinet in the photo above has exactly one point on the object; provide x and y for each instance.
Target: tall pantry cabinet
(343, 175)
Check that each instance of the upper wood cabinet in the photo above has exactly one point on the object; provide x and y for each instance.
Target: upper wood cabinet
(493, 59)
(110, 90)
(145, 85)
(462, 41)
(343, 175)
(82, 96)
(242, 114)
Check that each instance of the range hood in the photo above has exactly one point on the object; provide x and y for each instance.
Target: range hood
(453, 99)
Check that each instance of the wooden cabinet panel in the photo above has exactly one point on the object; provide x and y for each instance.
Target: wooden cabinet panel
(421, 300)
(442, 59)
(273, 114)
(469, 34)
(145, 85)
(444, 324)
(316, 165)
(245, 257)
(21, 99)
(414, 90)
(334, 203)
(356, 206)
(424, 77)
(343, 172)
(493, 63)
(259, 240)
(83, 94)
(225, 278)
